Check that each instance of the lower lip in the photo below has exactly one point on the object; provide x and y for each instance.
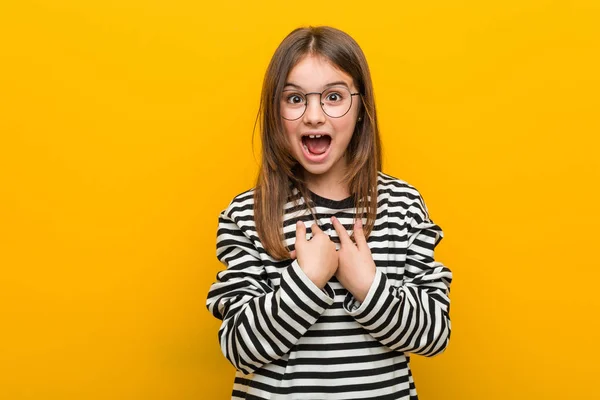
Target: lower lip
(315, 158)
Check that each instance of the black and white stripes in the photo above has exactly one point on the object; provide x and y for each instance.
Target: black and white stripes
(288, 339)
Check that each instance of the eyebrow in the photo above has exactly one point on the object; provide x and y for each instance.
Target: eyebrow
(336, 83)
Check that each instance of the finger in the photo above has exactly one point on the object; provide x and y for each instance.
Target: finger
(316, 229)
(293, 255)
(359, 235)
(341, 231)
(300, 232)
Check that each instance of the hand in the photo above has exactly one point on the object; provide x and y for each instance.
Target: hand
(356, 269)
(317, 257)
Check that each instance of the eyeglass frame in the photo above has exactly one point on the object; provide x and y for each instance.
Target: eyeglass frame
(320, 102)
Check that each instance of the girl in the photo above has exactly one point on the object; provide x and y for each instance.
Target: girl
(335, 312)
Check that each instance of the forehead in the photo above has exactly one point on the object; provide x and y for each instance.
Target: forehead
(313, 72)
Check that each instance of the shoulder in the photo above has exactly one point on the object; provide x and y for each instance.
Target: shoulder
(241, 206)
(401, 194)
(397, 188)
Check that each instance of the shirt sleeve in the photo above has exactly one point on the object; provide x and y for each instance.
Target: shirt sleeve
(412, 317)
(260, 321)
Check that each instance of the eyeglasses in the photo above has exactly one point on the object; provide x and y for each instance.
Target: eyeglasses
(335, 102)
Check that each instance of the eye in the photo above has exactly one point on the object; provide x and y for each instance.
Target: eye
(294, 98)
(334, 97)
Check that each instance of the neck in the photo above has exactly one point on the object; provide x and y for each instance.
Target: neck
(329, 184)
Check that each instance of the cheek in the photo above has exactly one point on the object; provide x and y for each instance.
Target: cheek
(345, 128)
(290, 128)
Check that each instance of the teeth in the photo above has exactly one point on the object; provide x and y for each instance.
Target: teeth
(311, 136)
(317, 136)
(306, 148)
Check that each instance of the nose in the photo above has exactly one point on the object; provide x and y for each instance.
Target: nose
(314, 114)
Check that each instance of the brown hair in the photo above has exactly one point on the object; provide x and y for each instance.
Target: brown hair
(279, 171)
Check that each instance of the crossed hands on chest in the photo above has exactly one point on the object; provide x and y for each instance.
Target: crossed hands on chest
(352, 264)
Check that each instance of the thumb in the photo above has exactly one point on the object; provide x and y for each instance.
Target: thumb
(359, 235)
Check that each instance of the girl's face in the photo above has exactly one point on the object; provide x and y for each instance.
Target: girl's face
(324, 155)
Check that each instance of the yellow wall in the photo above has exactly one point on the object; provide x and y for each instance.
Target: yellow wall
(125, 128)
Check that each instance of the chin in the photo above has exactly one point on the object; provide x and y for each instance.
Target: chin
(317, 169)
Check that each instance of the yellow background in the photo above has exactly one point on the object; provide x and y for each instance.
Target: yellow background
(126, 126)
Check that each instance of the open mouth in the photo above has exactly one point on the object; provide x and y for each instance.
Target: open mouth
(316, 145)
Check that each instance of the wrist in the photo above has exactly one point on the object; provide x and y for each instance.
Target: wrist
(360, 291)
(313, 275)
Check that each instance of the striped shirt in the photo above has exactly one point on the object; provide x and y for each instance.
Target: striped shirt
(288, 339)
